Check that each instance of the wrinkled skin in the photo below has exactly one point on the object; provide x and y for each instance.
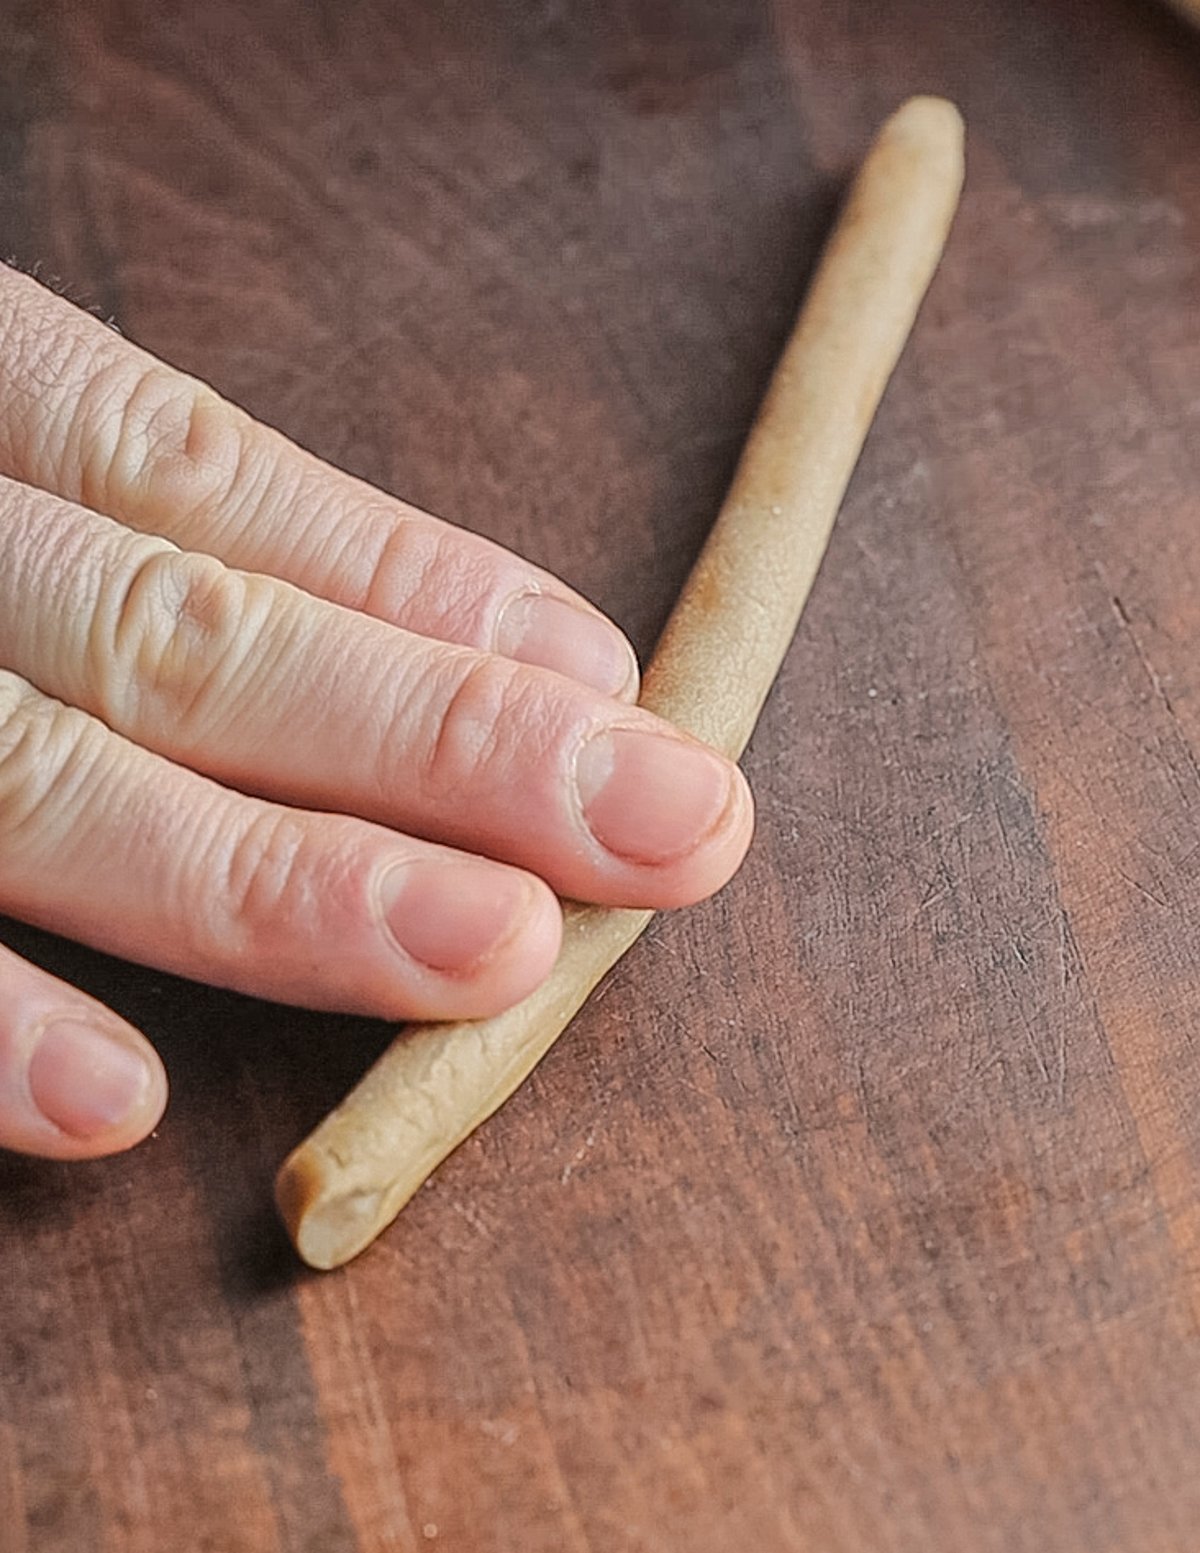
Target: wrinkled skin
(265, 726)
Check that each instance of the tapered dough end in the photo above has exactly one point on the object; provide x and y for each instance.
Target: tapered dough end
(934, 117)
(934, 126)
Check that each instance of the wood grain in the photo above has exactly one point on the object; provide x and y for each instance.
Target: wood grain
(860, 1212)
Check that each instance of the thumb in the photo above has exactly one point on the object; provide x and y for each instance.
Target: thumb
(75, 1081)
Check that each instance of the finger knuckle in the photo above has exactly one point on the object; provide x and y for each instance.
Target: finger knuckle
(262, 891)
(484, 707)
(46, 751)
(154, 444)
(280, 882)
(112, 427)
(168, 637)
(395, 558)
(432, 575)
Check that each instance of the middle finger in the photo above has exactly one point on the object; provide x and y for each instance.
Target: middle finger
(266, 688)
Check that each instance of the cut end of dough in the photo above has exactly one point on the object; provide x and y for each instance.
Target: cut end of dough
(327, 1229)
(334, 1232)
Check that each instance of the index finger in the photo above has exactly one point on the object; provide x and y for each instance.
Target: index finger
(87, 416)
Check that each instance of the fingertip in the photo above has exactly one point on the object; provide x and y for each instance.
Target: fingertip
(548, 631)
(95, 1087)
(670, 819)
(145, 1117)
(632, 689)
(526, 958)
(715, 860)
(673, 848)
(539, 939)
(474, 936)
(735, 838)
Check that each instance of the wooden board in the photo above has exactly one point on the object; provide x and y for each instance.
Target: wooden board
(859, 1213)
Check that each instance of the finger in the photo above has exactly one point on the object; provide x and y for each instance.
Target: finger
(273, 691)
(75, 1081)
(112, 845)
(89, 417)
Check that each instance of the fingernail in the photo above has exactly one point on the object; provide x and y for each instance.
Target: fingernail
(553, 634)
(84, 1081)
(451, 916)
(649, 798)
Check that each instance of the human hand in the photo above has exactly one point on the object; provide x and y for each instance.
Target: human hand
(267, 727)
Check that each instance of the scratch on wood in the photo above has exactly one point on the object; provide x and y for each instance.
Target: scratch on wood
(1065, 943)
(1152, 674)
(1145, 890)
(1031, 1040)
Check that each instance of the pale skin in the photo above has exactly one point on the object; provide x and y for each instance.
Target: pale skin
(267, 727)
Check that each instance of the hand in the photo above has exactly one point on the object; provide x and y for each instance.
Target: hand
(264, 726)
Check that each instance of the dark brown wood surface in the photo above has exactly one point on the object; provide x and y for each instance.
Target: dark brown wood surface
(860, 1211)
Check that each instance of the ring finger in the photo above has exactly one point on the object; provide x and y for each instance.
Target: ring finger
(272, 691)
(111, 844)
